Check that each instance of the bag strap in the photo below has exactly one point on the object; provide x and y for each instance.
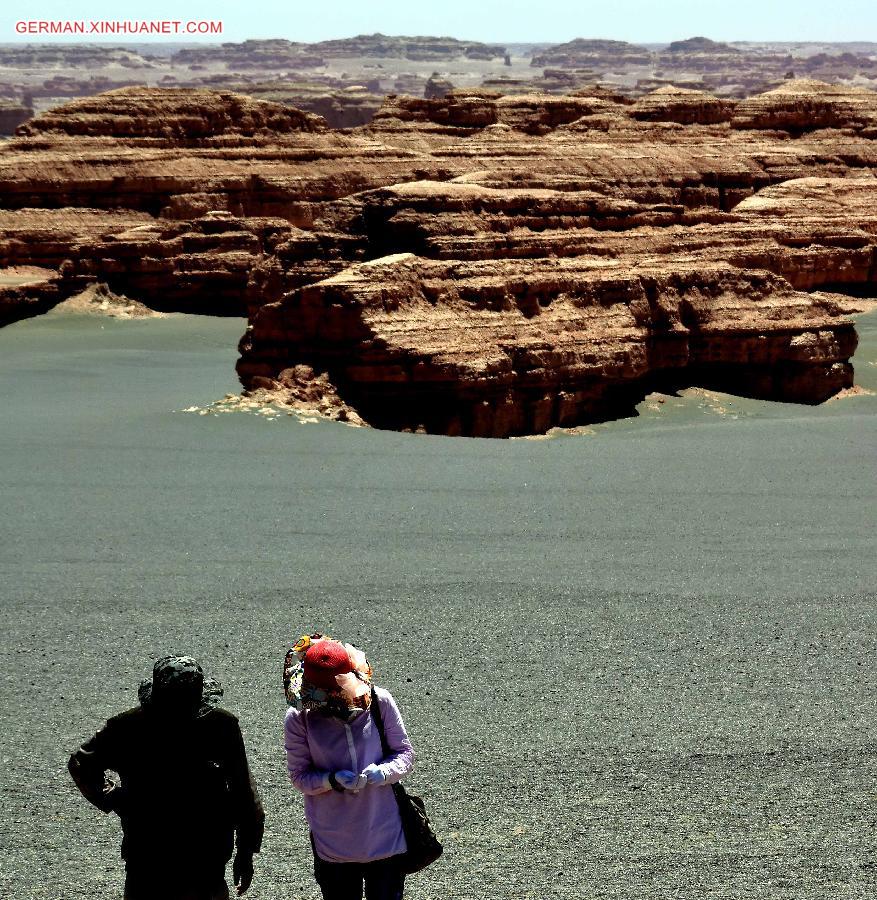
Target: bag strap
(399, 792)
(377, 716)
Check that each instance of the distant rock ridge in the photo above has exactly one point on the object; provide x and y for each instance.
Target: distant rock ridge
(409, 47)
(476, 264)
(172, 114)
(581, 52)
(727, 70)
(701, 45)
(314, 76)
(87, 56)
(255, 53)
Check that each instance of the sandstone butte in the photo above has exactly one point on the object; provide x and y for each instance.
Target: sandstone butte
(473, 264)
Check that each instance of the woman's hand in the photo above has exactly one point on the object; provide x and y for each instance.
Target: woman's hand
(350, 781)
(373, 774)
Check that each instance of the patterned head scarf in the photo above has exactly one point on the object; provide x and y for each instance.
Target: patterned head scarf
(353, 691)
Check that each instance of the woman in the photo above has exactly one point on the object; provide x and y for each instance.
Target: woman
(335, 758)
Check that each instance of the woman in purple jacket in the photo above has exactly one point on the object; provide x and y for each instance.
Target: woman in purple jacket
(335, 758)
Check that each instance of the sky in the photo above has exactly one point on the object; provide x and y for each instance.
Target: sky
(510, 21)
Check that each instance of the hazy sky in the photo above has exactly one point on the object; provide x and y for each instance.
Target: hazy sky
(486, 20)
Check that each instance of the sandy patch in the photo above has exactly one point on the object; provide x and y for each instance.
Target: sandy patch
(555, 432)
(99, 300)
(855, 391)
(18, 275)
(855, 305)
(267, 405)
(714, 401)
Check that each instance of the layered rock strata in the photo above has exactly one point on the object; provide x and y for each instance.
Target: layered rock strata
(496, 349)
(46, 237)
(688, 107)
(343, 103)
(804, 105)
(583, 52)
(199, 266)
(458, 112)
(260, 54)
(175, 115)
(513, 345)
(473, 263)
(733, 70)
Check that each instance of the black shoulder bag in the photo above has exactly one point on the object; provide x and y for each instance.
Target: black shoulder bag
(423, 846)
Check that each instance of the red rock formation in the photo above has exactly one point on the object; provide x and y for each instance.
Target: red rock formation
(676, 104)
(459, 111)
(803, 105)
(262, 173)
(200, 266)
(45, 237)
(175, 115)
(473, 264)
(493, 349)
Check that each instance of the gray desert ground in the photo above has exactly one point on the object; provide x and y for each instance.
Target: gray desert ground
(635, 662)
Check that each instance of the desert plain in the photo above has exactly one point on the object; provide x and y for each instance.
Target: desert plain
(622, 581)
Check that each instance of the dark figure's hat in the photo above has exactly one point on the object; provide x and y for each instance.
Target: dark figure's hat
(178, 683)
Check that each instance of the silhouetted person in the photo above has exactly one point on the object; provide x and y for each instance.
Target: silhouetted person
(185, 787)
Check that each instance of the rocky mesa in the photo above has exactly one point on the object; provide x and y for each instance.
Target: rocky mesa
(476, 264)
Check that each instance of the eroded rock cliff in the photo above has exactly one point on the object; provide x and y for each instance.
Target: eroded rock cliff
(174, 115)
(474, 263)
(802, 105)
(493, 349)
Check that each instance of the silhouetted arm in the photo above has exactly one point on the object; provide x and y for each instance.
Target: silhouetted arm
(248, 811)
(88, 767)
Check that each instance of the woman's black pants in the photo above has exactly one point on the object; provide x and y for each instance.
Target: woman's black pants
(383, 879)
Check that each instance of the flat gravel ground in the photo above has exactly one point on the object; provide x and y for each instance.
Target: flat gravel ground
(637, 663)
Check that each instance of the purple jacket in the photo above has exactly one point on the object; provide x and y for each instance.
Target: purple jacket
(349, 827)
